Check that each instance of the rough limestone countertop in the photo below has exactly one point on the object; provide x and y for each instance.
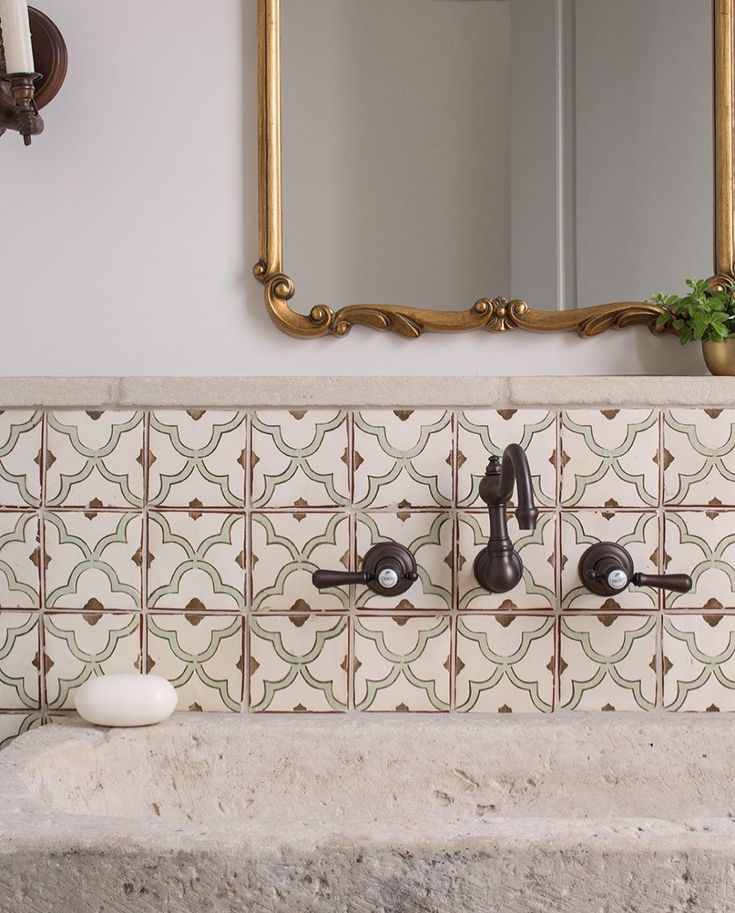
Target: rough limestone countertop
(396, 813)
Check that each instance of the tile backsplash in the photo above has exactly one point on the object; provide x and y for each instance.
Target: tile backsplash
(182, 542)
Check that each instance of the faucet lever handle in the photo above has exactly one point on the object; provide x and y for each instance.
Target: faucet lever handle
(606, 569)
(325, 580)
(676, 583)
(389, 569)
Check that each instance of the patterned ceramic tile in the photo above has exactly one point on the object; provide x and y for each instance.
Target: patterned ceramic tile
(196, 560)
(637, 532)
(78, 646)
(201, 655)
(699, 457)
(298, 662)
(19, 660)
(197, 459)
(20, 458)
(93, 560)
(505, 664)
(402, 663)
(702, 545)
(403, 458)
(698, 665)
(15, 724)
(610, 458)
(19, 561)
(429, 537)
(535, 591)
(608, 662)
(484, 432)
(287, 549)
(300, 458)
(94, 458)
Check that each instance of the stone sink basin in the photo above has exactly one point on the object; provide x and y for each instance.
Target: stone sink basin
(401, 813)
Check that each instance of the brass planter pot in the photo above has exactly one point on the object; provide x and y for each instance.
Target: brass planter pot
(720, 357)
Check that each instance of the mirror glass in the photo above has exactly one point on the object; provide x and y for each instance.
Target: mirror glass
(440, 151)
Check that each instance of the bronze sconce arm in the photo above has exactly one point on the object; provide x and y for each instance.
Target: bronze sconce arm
(18, 109)
(23, 94)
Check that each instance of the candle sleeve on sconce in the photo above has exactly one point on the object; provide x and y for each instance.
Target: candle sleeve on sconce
(33, 62)
(16, 35)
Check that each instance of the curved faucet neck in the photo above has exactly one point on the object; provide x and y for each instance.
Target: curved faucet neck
(501, 478)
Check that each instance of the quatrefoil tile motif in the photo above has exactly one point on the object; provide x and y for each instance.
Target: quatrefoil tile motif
(79, 646)
(196, 560)
(20, 560)
(197, 459)
(300, 458)
(20, 458)
(505, 663)
(402, 663)
(608, 662)
(19, 661)
(403, 457)
(286, 549)
(298, 663)
(94, 458)
(699, 457)
(93, 560)
(610, 458)
(698, 664)
(201, 655)
(702, 542)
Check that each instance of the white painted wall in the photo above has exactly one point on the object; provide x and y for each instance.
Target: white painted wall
(128, 230)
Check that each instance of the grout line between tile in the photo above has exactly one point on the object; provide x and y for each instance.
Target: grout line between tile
(42, 683)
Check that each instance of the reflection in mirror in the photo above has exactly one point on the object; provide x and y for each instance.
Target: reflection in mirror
(440, 151)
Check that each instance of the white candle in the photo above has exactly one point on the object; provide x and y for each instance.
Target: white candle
(16, 36)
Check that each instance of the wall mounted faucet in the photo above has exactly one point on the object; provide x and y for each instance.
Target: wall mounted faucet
(606, 569)
(389, 569)
(498, 567)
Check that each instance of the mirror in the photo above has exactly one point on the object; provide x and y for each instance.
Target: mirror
(560, 154)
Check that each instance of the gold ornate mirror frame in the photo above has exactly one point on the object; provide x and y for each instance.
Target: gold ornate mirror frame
(494, 315)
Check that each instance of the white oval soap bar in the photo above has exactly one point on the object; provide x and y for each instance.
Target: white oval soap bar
(125, 699)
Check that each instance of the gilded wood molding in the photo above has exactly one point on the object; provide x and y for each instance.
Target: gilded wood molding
(496, 315)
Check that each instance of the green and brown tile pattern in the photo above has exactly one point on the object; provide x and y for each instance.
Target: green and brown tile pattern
(182, 542)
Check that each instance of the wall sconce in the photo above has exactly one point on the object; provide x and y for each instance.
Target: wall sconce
(33, 61)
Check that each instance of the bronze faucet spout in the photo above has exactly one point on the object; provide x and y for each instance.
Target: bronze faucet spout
(498, 568)
(497, 486)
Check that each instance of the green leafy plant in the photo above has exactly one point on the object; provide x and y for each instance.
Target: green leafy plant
(706, 314)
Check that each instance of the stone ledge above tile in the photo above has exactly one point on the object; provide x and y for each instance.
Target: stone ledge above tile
(254, 392)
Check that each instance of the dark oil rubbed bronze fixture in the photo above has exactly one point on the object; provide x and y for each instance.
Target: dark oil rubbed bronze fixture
(491, 314)
(498, 567)
(606, 569)
(30, 76)
(389, 569)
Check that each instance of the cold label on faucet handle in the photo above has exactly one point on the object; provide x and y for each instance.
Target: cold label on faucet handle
(388, 578)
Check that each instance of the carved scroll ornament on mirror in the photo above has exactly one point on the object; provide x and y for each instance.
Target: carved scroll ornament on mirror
(492, 314)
